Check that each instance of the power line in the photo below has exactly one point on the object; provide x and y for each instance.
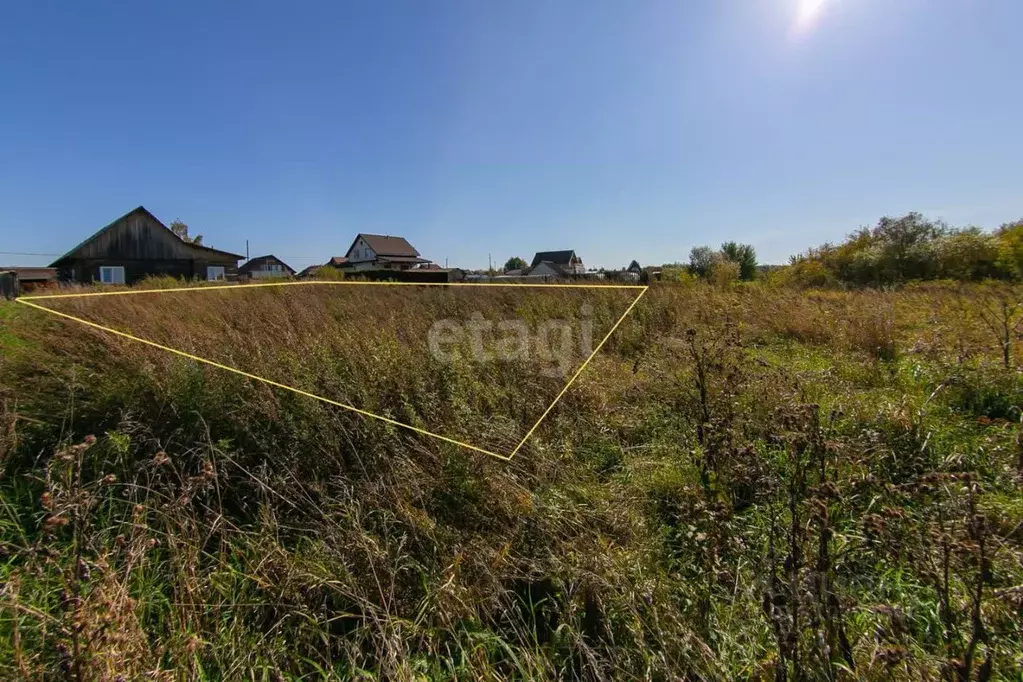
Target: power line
(26, 253)
(302, 257)
(54, 255)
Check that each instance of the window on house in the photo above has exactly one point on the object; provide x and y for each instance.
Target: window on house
(111, 274)
(214, 273)
(274, 267)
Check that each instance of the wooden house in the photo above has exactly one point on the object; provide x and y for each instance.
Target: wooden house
(381, 252)
(138, 245)
(263, 267)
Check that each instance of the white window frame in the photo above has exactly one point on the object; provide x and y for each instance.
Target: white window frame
(111, 274)
(215, 273)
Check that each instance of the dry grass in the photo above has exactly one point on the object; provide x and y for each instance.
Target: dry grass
(750, 481)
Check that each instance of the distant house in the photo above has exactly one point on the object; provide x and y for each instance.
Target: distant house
(308, 272)
(337, 262)
(381, 252)
(138, 245)
(565, 263)
(442, 274)
(548, 270)
(633, 273)
(265, 266)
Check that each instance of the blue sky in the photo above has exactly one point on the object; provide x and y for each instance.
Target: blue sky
(620, 129)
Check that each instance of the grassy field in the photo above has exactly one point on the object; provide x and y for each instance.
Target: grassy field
(748, 483)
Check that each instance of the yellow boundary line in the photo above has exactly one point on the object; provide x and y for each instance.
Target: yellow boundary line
(578, 372)
(28, 300)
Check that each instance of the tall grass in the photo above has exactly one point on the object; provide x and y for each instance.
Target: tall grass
(748, 483)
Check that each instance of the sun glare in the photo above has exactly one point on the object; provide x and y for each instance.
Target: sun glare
(807, 13)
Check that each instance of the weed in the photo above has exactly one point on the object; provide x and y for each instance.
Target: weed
(748, 483)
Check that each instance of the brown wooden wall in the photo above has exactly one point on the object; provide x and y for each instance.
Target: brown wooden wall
(144, 247)
(87, 270)
(136, 236)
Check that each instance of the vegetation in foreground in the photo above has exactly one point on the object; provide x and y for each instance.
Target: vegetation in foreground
(750, 483)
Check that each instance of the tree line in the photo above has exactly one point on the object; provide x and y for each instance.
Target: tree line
(896, 250)
(910, 248)
(732, 262)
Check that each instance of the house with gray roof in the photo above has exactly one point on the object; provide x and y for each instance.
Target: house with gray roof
(263, 267)
(557, 264)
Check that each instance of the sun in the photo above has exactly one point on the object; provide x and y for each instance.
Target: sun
(807, 13)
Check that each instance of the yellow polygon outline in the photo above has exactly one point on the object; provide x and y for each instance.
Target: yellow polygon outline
(27, 300)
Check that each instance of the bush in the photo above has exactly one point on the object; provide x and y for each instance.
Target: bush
(804, 273)
(328, 273)
(724, 272)
(911, 247)
(986, 392)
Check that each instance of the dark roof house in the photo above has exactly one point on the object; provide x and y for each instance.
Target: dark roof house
(548, 270)
(138, 245)
(563, 262)
(566, 257)
(265, 266)
(382, 252)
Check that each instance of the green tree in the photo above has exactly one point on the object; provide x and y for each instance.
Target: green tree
(967, 255)
(514, 263)
(743, 255)
(181, 230)
(906, 245)
(702, 260)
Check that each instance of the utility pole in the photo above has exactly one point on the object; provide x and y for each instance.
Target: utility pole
(246, 249)
(490, 264)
